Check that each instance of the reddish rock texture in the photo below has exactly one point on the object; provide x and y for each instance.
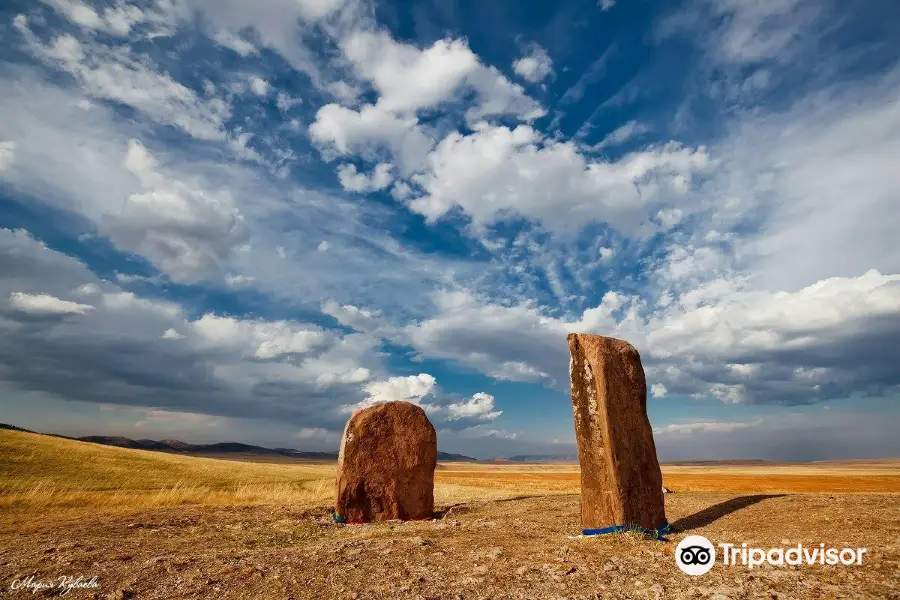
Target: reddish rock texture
(386, 465)
(621, 483)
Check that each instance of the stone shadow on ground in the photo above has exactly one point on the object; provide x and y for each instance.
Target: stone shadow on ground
(717, 511)
(464, 507)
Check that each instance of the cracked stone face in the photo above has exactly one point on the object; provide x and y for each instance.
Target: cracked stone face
(621, 482)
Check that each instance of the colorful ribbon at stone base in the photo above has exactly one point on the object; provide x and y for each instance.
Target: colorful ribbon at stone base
(657, 533)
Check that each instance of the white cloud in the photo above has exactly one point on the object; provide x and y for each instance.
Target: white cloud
(370, 132)
(182, 229)
(401, 190)
(261, 339)
(172, 334)
(234, 41)
(670, 217)
(534, 67)
(239, 280)
(687, 345)
(46, 305)
(312, 433)
(620, 135)
(409, 79)
(800, 168)
(120, 301)
(323, 246)
(285, 102)
(7, 154)
(276, 24)
(484, 431)
(117, 20)
(412, 388)
(607, 253)
(605, 5)
(658, 390)
(513, 370)
(497, 171)
(479, 406)
(116, 74)
(378, 179)
(705, 426)
(259, 86)
(88, 289)
(352, 316)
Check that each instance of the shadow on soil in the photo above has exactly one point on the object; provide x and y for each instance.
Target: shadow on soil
(464, 507)
(717, 511)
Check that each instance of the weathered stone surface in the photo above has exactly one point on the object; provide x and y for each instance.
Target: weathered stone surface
(386, 464)
(621, 483)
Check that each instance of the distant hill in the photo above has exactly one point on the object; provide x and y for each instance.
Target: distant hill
(231, 449)
(14, 428)
(543, 458)
(736, 462)
(448, 457)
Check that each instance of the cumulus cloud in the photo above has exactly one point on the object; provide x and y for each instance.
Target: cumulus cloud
(261, 339)
(370, 132)
(259, 86)
(46, 305)
(184, 230)
(409, 79)
(687, 345)
(123, 351)
(352, 181)
(497, 171)
(412, 388)
(658, 390)
(353, 317)
(479, 406)
(535, 66)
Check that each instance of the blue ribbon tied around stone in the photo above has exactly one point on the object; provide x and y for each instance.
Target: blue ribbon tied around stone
(657, 533)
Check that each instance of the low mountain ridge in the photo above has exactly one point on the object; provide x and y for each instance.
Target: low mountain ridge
(179, 447)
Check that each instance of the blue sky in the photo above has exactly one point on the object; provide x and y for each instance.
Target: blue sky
(240, 221)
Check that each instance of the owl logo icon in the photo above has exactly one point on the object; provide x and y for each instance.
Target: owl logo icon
(695, 555)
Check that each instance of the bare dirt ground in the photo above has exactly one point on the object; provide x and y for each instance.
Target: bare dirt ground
(518, 548)
(157, 526)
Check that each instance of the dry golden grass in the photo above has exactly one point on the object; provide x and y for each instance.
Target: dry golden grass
(43, 475)
(715, 479)
(39, 474)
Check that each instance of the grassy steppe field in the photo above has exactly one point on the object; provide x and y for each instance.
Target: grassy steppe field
(154, 525)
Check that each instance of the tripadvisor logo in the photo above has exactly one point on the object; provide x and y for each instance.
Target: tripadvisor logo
(696, 555)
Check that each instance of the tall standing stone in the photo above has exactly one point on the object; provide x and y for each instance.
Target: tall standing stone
(386, 464)
(621, 483)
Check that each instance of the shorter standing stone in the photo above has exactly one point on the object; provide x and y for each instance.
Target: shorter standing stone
(386, 465)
